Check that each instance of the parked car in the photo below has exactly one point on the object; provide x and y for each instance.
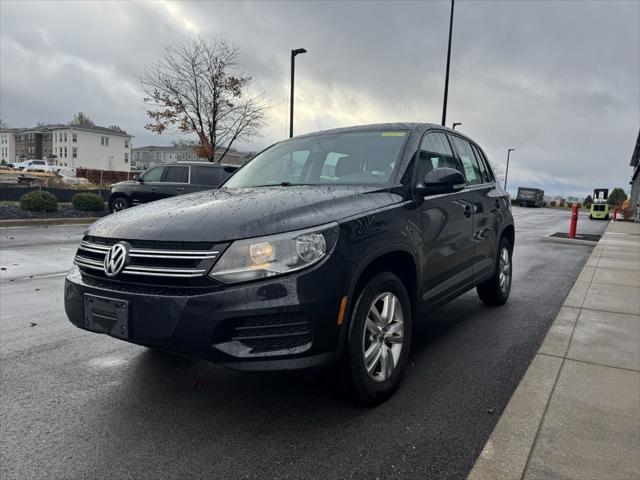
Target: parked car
(168, 180)
(294, 265)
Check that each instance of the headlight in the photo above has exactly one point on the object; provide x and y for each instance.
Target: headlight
(264, 257)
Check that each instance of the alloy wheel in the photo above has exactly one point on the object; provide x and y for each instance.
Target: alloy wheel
(383, 336)
(119, 204)
(504, 269)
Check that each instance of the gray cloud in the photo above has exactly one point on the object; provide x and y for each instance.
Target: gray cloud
(559, 81)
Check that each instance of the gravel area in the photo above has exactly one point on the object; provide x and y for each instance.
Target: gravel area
(14, 212)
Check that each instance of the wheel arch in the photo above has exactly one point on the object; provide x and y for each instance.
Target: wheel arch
(509, 232)
(398, 260)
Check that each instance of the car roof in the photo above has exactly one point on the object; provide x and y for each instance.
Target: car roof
(199, 164)
(413, 126)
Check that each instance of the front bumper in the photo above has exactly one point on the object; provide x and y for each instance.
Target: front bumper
(278, 324)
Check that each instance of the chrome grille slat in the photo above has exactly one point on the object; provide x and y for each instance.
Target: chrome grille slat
(163, 269)
(140, 252)
(99, 251)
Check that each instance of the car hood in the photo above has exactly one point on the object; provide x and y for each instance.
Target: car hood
(232, 214)
(124, 183)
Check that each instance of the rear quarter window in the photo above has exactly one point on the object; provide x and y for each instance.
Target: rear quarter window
(210, 176)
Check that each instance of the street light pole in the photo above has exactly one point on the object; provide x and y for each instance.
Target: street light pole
(295, 52)
(446, 79)
(454, 125)
(506, 173)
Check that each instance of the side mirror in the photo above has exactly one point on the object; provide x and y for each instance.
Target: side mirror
(442, 180)
(137, 178)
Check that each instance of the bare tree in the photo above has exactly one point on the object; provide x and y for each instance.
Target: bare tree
(116, 128)
(194, 88)
(81, 119)
(498, 170)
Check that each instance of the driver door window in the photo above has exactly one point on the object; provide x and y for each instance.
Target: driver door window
(435, 152)
(153, 175)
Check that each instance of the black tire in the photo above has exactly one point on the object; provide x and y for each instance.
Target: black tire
(358, 383)
(606, 217)
(118, 203)
(491, 291)
(590, 217)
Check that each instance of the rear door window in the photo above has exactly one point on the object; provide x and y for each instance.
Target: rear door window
(484, 164)
(176, 175)
(470, 166)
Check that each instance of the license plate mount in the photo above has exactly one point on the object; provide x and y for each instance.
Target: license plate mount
(106, 315)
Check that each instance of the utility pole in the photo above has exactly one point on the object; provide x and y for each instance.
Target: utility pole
(446, 79)
(293, 73)
(506, 172)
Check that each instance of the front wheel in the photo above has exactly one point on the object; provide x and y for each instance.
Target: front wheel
(378, 340)
(118, 204)
(495, 291)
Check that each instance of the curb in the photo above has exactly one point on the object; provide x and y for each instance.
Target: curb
(568, 241)
(37, 222)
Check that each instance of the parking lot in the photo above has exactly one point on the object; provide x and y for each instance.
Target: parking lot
(80, 405)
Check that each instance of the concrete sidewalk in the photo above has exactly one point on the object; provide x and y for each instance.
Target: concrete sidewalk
(576, 412)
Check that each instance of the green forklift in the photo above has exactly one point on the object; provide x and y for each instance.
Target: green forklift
(599, 207)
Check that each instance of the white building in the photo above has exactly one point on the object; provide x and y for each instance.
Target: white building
(74, 146)
(7, 146)
(91, 147)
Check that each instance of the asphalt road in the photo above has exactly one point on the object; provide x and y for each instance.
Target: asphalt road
(79, 405)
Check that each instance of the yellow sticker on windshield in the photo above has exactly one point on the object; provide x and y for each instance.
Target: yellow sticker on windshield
(394, 134)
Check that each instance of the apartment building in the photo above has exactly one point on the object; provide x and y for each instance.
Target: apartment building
(74, 146)
(146, 157)
(7, 146)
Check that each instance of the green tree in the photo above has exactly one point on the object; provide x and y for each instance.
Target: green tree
(617, 196)
(588, 200)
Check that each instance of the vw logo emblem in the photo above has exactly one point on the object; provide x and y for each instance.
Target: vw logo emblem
(115, 259)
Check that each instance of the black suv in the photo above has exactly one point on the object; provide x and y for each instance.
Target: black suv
(168, 180)
(323, 250)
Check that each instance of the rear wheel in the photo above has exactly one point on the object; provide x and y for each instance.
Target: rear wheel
(378, 341)
(118, 204)
(495, 291)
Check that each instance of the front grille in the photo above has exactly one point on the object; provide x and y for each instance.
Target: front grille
(267, 334)
(159, 263)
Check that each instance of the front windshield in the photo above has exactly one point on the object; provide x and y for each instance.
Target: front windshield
(352, 158)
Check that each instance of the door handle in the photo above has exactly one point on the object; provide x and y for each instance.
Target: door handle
(179, 189)
(467, 210)
(497, 206)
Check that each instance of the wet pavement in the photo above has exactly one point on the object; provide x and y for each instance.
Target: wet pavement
(80, 405)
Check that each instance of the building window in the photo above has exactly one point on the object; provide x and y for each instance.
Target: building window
(74, 152)
(126, 143)
(126, 158)
(65, 152)
(65, 137)
(74, 137)
(104, 141)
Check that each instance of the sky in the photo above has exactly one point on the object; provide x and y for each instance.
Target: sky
(559, 81)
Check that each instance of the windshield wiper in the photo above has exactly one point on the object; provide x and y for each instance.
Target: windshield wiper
(281, 184)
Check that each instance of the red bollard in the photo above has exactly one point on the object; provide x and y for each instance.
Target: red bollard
(574, 221)
(615, 213)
